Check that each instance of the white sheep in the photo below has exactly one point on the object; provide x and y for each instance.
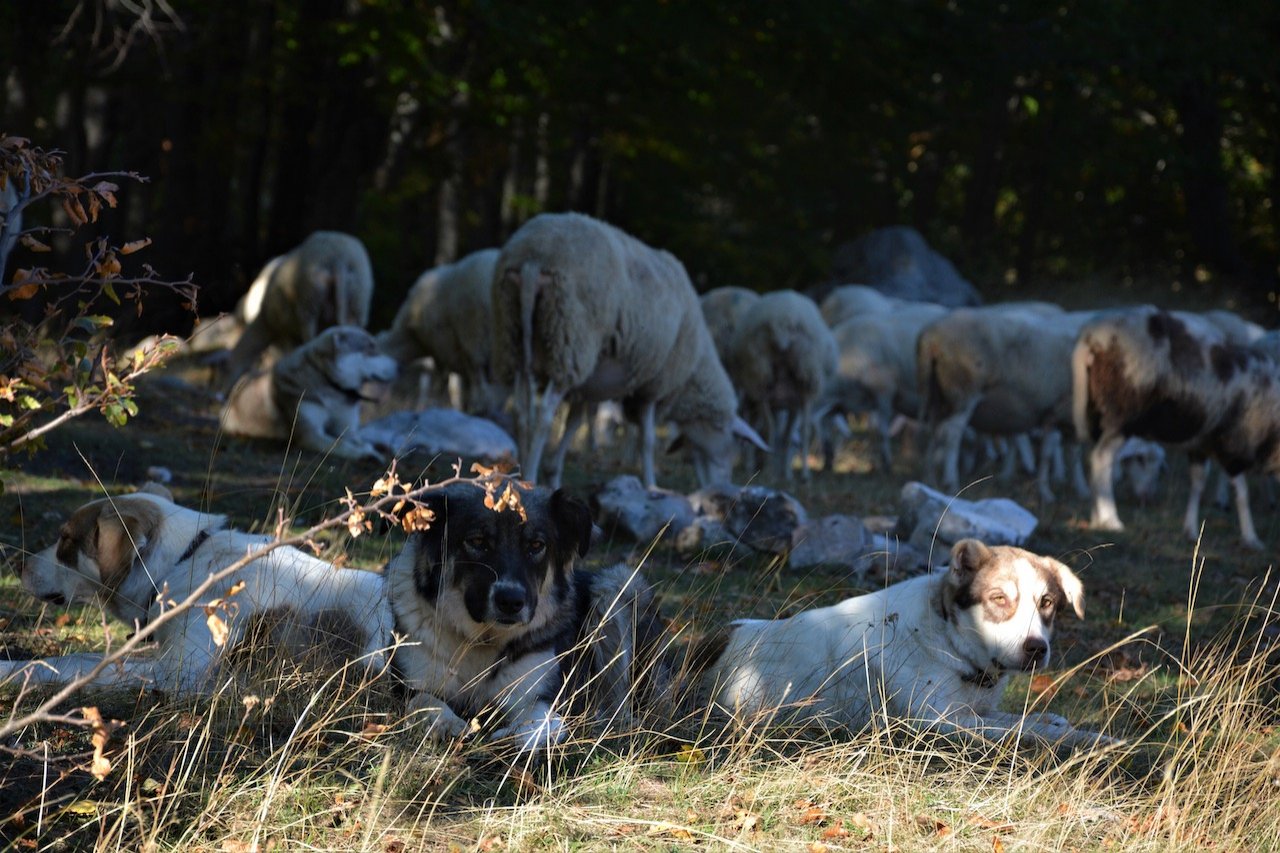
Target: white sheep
(781, 357)
(326, 281)
(876, 371)
(1001, 371)
(446, 317)
(585, 312)
(855, 300)
(722, 308)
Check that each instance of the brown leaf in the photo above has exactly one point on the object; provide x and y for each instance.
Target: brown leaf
(932, 826)
(134, 245)
(997, 846)
(236, 588)
(836, 830)
(1043, 685)
(75, 211)
(100, 766)
(63, 620)
(34, 245)
(217, 627)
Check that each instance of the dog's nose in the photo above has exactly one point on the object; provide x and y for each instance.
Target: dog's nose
(1034, 650)
(508, 601)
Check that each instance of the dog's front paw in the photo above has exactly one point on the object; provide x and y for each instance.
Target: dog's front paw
(442, 723)
(537, 734)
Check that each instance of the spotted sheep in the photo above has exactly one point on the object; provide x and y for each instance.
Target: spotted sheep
(1175, 379)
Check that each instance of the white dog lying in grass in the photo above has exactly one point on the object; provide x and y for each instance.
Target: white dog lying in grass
(136, 554)
(934, 651)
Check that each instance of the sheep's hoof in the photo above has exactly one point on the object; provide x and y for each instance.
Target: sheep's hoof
(1254, 544)
(1107, 525)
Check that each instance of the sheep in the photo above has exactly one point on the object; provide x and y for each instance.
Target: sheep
(445, 317)
(1175, 379)
(1236, 329)
(876, 370)
(855, 300)
(326, 281)
(1002, 371)
(723, 308)
(586, 312)
(780, 358)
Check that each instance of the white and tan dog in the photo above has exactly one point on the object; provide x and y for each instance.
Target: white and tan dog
(934, 652)
(314, 394)
(136, 554)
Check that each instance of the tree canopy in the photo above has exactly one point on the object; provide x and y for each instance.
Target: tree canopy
(1023, 139)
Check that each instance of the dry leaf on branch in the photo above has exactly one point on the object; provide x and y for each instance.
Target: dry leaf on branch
(100, 766)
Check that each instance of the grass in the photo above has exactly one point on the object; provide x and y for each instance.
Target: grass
(1177, 656)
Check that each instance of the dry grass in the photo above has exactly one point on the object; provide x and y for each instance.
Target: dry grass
(1177, 658)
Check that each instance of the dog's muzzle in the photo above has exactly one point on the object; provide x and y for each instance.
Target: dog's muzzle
(508, 603)
(1035, 653)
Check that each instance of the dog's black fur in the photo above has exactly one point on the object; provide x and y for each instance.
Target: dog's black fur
(501, 584)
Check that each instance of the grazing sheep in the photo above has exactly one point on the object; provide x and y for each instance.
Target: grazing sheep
(1001, 371)
(445, 317)
(1236, 329)
(723, 308)
(855, 300)
(1268, 345)
(326, 281)
(876, 370)
(1174, 378)
(585, 312)
(781, 357)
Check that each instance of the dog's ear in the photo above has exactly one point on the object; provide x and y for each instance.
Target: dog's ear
(124, 531)
(1072, 588)
(158, 489)
(967, 557)
(573, 521)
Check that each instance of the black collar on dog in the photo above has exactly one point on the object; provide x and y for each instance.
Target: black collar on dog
(199, 540)
(984, 678)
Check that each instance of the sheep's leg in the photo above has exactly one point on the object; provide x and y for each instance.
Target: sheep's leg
(950, 433)
(884, 429)
(1008, 458)
(1081, 484)
(648, 441)
(1025, 452)
(788, 417)
(1191, 520)
(1248, 535)
(1049, 445)
(1102, 462)
(806, 438)
(577, 411)
(543, 419)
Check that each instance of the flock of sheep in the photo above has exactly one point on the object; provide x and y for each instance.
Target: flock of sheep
(574, 312)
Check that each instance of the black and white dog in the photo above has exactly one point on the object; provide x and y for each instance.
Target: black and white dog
(499, 628)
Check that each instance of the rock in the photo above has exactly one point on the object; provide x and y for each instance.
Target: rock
(705, 534)
(837, 540)
(625, 506)
(444, 432)
(762, 519)
(931, 520)
(898, 262)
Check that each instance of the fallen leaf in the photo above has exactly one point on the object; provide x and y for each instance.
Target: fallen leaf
(932, 826)
(63, 620)
(834, 831)
(1043, 685)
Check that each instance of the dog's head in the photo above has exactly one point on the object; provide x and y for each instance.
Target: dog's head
(1002, 602)
(96, 548)
(498, 571)
(353, 359)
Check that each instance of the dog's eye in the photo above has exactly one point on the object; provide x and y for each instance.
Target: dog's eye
(536, 547)
(476, 542)
(1047, 603)
(999, 599)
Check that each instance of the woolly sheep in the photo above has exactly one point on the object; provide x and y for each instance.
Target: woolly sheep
(855, 300)
(326, 281)
(876, 370)
(1001, 371)
(1174, 378)
(781, 357)
(445, 317)
(587, 312)
(723, 308)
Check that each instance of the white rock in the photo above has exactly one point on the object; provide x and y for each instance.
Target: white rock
(931, 518)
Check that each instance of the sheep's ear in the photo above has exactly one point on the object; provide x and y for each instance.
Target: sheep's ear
(743, 430)
(158, 489)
